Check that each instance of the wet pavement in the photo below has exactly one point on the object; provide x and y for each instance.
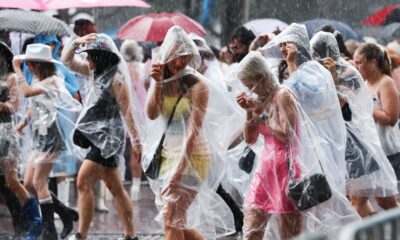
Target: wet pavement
(107, 226)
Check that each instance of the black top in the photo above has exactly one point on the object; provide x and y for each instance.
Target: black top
(4, 97)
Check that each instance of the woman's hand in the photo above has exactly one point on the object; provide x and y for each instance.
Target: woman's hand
(291, 53)
(244, 102)
(85, 39)
(20, 126)
(329, 64)
(17, 63)
(157, 72)
(259, 42)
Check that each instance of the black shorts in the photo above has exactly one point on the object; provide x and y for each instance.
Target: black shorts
(95, 156)
(395, 162)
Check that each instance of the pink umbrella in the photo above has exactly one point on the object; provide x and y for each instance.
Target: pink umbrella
(64, 4)
(153, 27)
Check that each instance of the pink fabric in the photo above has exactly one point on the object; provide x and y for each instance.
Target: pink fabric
(154, 26)
(138, 83)
(64, 4)
(268, 186)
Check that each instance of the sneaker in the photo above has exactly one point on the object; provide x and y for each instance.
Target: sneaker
(77, 236)
(128, 238)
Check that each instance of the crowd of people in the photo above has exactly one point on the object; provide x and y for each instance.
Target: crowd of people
(272, 135)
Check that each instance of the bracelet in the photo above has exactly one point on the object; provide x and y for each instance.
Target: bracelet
(136, 142)
(21, 79)
(159, 84)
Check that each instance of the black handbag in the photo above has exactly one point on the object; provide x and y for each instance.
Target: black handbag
(153, 170)
(246, 162)
(310, 191)
(4, 147)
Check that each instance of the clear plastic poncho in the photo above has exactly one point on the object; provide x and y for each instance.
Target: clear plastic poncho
(291, 141)
(314, 88)
(44, 138)
(9, 99)
(204, 124)
(369, 172)
(111, 109)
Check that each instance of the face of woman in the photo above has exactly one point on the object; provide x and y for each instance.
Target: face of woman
(255, 87)
(364, 66)
(179, 63)
(91, 63)
(283, 50)
(32, 67)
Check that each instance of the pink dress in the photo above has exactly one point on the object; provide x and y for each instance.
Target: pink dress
(268, 186)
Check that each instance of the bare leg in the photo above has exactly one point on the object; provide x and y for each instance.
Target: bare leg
(179, 200)
(122, 202)
(290, 225)
(88, 174)
(40, 180)
(28, 179)
(387, 202)
(13, 183)
(361, 205)
(255, 221)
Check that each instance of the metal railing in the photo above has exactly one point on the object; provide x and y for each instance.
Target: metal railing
(383, 226)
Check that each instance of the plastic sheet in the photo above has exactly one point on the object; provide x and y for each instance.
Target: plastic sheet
(293, 151)
(314, 88)
(204, 124)
(369, 172)
(106, 115)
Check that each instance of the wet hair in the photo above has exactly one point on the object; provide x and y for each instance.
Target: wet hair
(46, 69)
(27, 42)
(103, 60)
(282, 67)
(339, 38)
(372, 51)
(244, 35)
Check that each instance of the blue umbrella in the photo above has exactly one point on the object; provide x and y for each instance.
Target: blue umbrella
(347, 32)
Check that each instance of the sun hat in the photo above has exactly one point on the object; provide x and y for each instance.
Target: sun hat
(38, 52)
(83, 16)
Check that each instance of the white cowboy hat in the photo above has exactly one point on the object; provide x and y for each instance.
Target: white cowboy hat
(38, 53)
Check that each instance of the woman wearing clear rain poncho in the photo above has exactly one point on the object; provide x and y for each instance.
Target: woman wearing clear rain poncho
(292, 153)
(194, 143)
(110, 109)
(9, 147)
(49, 101)
(369, 172)
(314, 87)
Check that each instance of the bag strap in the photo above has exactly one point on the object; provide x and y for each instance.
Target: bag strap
(315, 150)
(171, 116)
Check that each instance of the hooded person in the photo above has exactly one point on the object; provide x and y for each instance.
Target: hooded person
(314, 87)
(26, 209)
(110, 109)
(293, 151)
(369, 172)
(187, 115)
(48, 101)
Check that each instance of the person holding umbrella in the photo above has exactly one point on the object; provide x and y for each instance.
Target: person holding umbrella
(49, 101)
(9, 149)
(108, 107)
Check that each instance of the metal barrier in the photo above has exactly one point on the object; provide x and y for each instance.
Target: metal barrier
(383, 226)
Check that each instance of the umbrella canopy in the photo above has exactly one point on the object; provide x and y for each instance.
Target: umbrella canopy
(347, 32)
(153, 27)
(31, 22)
(384, 16)
(64, 4)
(266, 25)
(390, 33)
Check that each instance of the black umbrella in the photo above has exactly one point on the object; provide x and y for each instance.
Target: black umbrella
(32, 22)
(390, 32)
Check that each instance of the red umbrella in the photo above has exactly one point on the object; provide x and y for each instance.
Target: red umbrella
(153, 27)
(64, 4)
(380, 17)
